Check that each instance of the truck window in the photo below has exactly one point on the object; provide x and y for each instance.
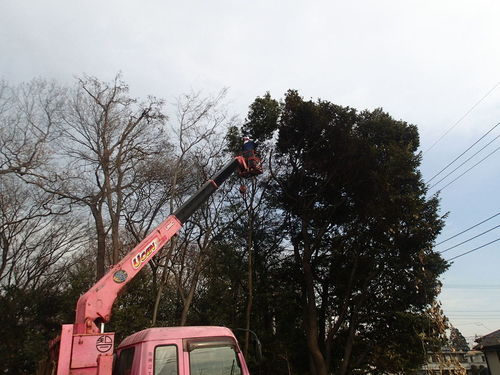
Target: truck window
(166, 360)
(124, 363)
(221, 360)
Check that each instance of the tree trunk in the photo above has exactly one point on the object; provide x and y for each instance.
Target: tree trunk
(159, 292)
(311, 322)
(318, 366)
(101, 241)
(115, 237)
(344, 368)
(186, 303)
(5, 253)
(248, 313)
(163, 281)
(114, 208)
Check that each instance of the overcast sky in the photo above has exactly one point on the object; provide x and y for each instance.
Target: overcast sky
(426, 62)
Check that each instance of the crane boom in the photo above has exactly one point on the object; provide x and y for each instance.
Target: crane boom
(94, 307)
(84, 347)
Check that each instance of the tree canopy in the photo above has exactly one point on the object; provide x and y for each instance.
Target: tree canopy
(362, 231)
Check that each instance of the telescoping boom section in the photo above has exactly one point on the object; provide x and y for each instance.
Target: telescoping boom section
(84, 347)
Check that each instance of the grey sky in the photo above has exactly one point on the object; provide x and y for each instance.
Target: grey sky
(426, 62)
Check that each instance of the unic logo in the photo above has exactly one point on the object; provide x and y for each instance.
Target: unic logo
(144, 255)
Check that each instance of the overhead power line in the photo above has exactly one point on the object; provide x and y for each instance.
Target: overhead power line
(468, 170)
(467, 160)
(472, 311)
(468, 229)
(488, 312)
(474, 316)
(473, 286)
(463, 117)
(470, 239)
(475, 249)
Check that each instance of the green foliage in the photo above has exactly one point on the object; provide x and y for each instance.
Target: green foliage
(457, 341)
(360, 220)
(30, 318)
(260, 125)
(262, 120)
(33, 316)
(234, 140)
(348, 184)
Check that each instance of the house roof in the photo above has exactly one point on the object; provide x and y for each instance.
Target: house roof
(489, 340)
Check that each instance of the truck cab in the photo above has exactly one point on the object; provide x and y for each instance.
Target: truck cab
(180, 351)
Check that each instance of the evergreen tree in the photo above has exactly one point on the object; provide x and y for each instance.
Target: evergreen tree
(457, 340)
(362, 230)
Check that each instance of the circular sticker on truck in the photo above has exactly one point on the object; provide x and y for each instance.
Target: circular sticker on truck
(104, 343)
(120, 276)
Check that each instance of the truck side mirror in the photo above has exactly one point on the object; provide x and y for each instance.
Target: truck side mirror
(257, 346)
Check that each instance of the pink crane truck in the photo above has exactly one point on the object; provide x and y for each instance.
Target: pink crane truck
(85, 348)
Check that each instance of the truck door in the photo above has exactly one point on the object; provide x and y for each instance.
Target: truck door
(124, 361)
(148, 359)
(166, 360)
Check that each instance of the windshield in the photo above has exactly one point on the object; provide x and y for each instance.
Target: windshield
(221, 360)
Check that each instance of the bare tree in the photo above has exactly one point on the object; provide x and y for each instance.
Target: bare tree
(106, 139)
(198, 151)
(36, 234)
(191, 256)
(33, 235)
(28, 115)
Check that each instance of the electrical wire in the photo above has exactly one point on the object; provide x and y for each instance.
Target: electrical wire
(472, 311)
(475, 287)
(470, 157)
(494, 314)
(470, 239)
(475, 165)
(463, 117)
(468, 229)
(475, 249)
(469, 317)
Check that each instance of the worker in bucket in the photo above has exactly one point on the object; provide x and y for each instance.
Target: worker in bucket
(249, 151)
(248, 146)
